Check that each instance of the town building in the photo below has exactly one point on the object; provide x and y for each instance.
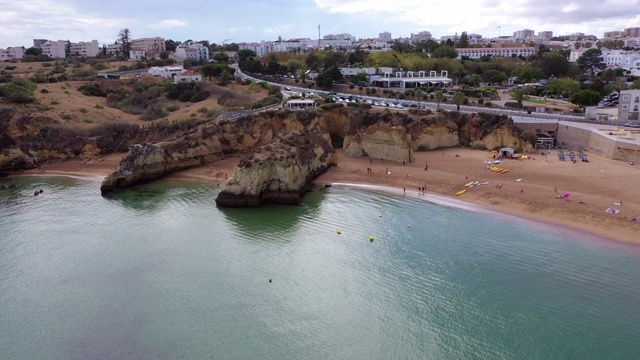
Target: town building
(137, 55)
(545, 34)
(409, 79)
(300, 104)
(629, 105)
(476, 53)
(188, 76)
(632, 32)
(613, 34)
(384, 36)
(152, 46)
(523, 34)
(167, 72)
(12, 53)
(192, 51)
(261, 49)
(421, 36)
(55, 49)
(84, 49)
(39, 42)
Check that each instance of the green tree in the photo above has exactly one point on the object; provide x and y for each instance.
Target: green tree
(463, 42)
(635, 84)
(528, 73)
(586, 98)
(563, 86)
(438, 96)
(458, 99)
(171, 45)
(211, 70)
(427, 46)
(221, 58)
(553, 63)
(124, 36)
(35, 51)
(326, 78)
(245, 57)
(518, 96)
(591, 61)
(495, 76)
(445, 52)
(313, 61)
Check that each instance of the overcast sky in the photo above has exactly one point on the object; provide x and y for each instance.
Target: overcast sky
(253, 20)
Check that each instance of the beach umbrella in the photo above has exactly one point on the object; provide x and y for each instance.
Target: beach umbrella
(566, 195)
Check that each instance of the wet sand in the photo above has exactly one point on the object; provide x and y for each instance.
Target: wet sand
(600, 183)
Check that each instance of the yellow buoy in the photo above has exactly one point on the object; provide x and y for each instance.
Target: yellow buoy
(371, 238)
(339, 231)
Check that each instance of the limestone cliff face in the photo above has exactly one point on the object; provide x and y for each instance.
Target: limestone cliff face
(201, 145)
(380, 142)
(143, 163)
(505, 137)
(280, 172)
(435, 137)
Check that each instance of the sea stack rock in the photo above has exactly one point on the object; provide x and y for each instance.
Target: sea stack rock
(143, 163)
(279, 172)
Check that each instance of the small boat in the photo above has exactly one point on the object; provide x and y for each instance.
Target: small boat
(485, 183)
(461, 192)
(468, 184)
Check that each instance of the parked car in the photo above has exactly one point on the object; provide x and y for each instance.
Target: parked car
(447, 95)
(633, 125)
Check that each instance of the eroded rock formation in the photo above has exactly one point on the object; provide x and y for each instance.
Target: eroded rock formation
(280, 172)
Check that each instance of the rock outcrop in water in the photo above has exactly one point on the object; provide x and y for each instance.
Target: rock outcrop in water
(280, 172)
(143, 163)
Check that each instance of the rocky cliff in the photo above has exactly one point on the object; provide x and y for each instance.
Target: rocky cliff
(380, 142)
(280, 172)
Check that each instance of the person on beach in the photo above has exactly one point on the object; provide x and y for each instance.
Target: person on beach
(555, 189)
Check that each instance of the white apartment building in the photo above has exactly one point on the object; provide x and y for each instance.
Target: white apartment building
(11, 53)
(84, 49)
(261, 49)
(137, 55)
(476, 53)
(192, 51)
(343, 36)
(55, 49)
(523, 34)
(421, 36)
(545, 34)
(167, 72)
(620, 58)
(629, 105)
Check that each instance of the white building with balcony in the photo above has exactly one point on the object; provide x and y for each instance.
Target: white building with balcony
(55, 49)
(192, 51)
(476, 53)
(84, 49)
(11, 53)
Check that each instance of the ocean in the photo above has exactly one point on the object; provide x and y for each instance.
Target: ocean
(160, 272)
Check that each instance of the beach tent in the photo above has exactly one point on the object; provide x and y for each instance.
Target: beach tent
(507, 152)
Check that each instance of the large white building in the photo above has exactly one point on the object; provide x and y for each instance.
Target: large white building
(261, 49)
(476, 53)
(421, 36)
(55, 49)
(11, 53)
(84, 49)
(629, 105)
(192, 51)
(167, 72)
(523, 34)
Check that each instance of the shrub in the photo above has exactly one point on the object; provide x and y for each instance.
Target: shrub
(153, 113)
(92, 90)
(84, 110)
(173, 107)
(88, 120)
(44, 91)
(200, 96)
(488, 104)
(98, 106)
(203, 110)
(10, 68)
(480, 100)
(66, 116)
(55, 102)
(67, 92)
(100, 66)
(331, 106)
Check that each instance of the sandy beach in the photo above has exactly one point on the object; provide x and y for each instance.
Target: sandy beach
(600, 183)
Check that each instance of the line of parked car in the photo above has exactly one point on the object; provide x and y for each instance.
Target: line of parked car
(609, 100)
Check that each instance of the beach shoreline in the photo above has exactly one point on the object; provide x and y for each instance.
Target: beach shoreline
(600, 183)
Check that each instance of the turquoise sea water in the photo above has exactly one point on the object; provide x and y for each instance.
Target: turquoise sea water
(159, 272)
